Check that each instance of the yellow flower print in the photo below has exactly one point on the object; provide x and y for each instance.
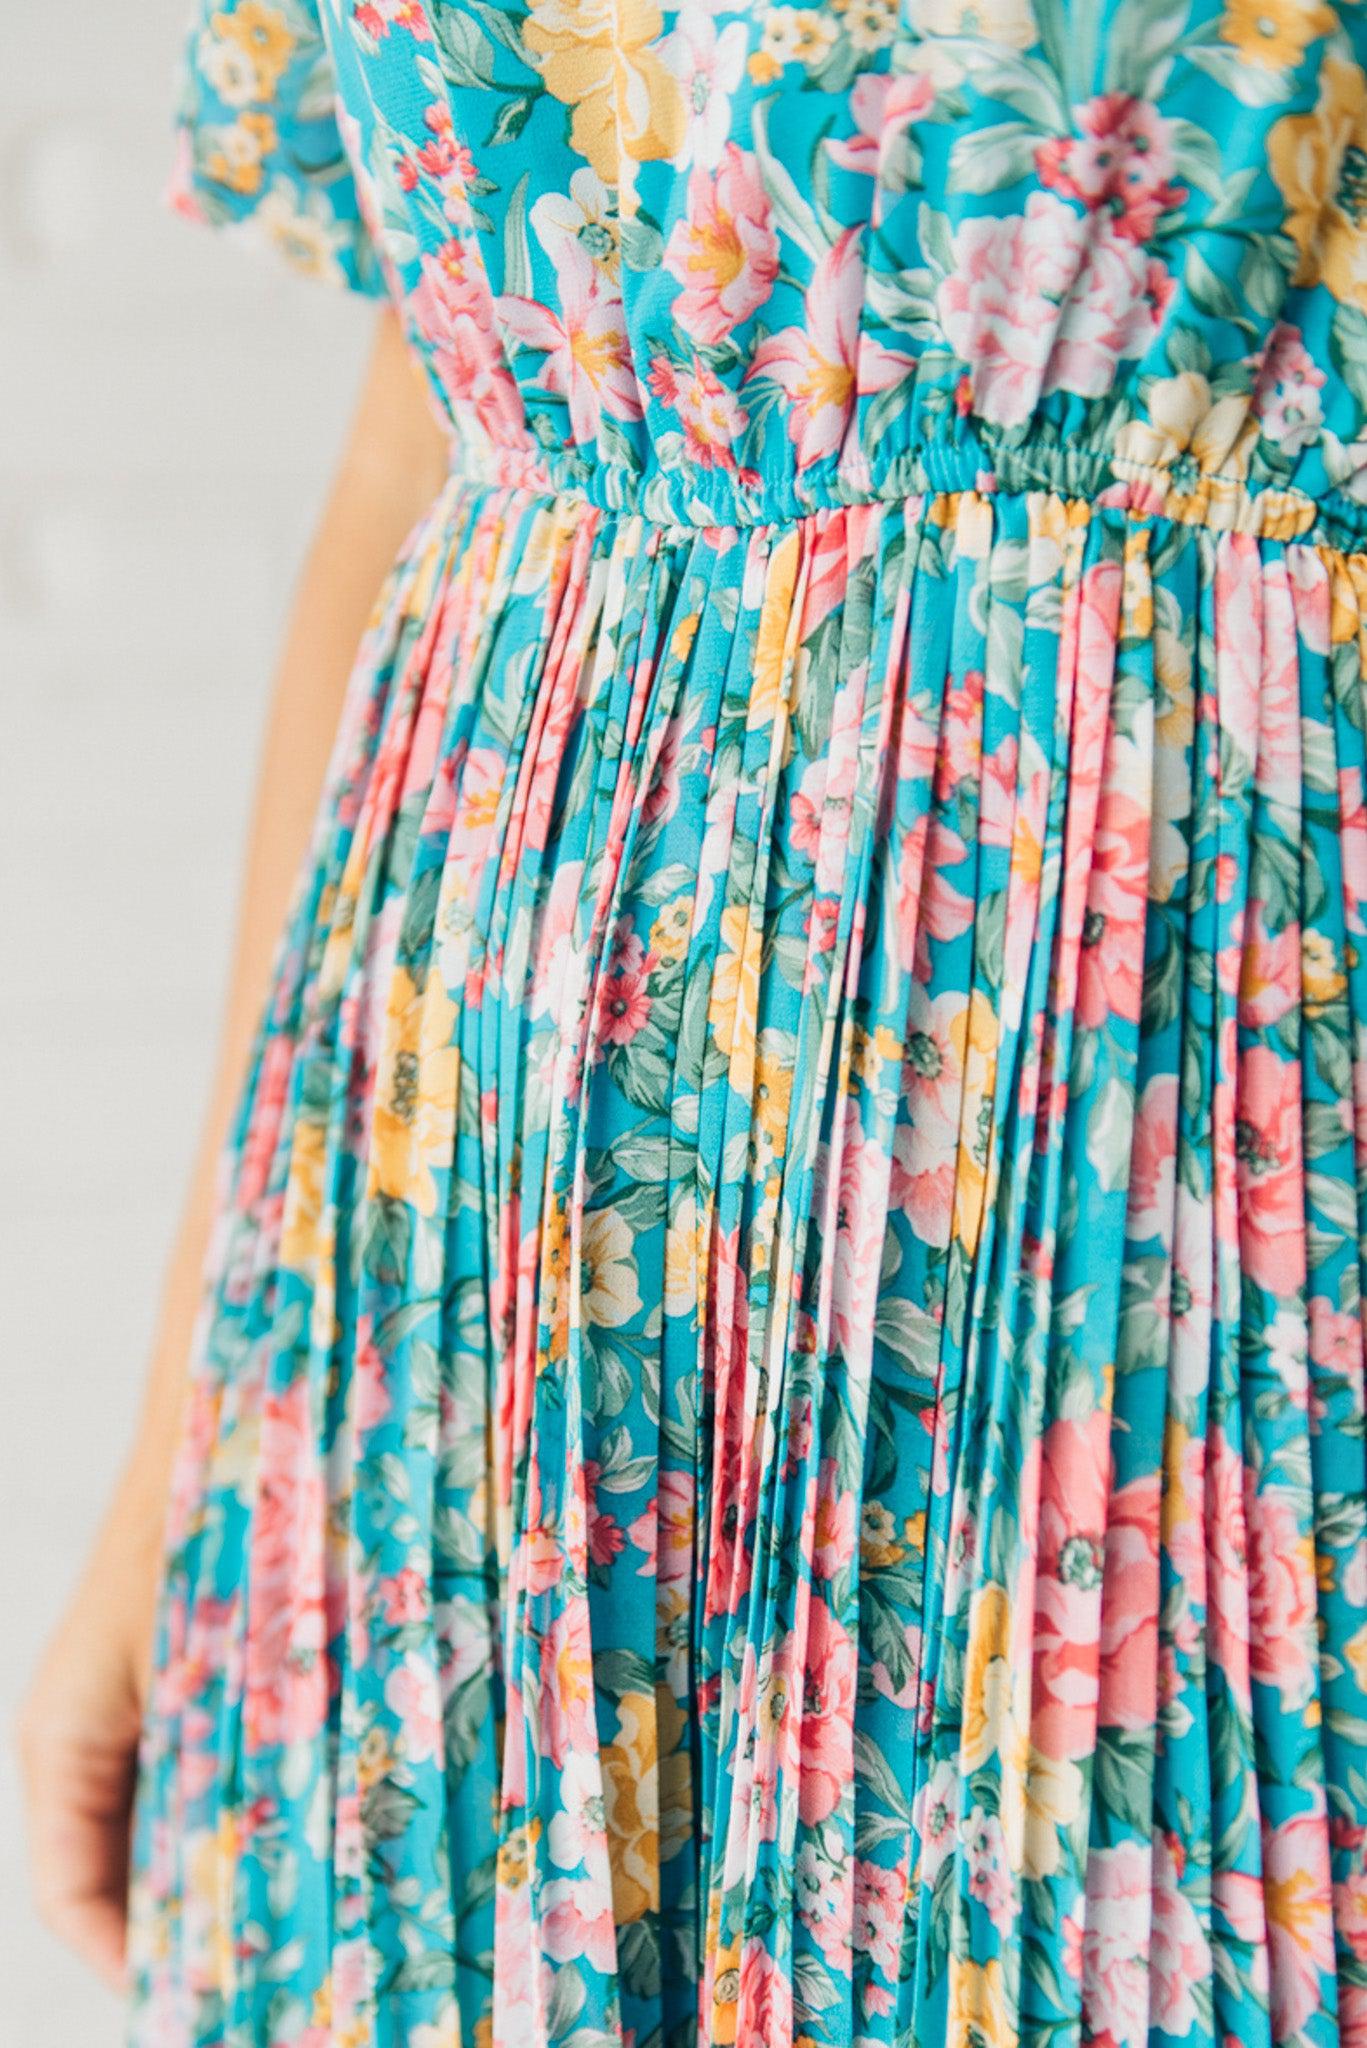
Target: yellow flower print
(768, 661)
(306, 236)
(994, 21)
(374, 1758)
(1137, 599)
(631, 1807)
(601, 58)
(609, 1293)
(878, 1541)
(681, 1249)
(670, 931)
(235, 156)
(1344, 613)
(973, 1035)
(726, 1994)
(299, 1230)
(682, 638)
(774, 1087)
(870, 23)
(987, 1679)
(211, 1857)
(514, 1859)
(733, 1004)
(1315, 160)
(797, 35)
(1275, 34)
(1321, 977)
(874, 1052)
(1046, 1793)
(978, 2010)
(1185, 418)
(264, 37)
(1355, 1650)
(542, 549)
(555, 1259)
(416, 1085)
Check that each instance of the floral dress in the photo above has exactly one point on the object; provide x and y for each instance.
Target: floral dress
(777, 1454)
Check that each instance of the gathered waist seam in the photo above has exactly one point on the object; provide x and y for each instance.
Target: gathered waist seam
(1217, 502)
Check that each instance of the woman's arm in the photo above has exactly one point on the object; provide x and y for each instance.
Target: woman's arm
(78, 1729)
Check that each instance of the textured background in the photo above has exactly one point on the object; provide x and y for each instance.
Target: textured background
(170, 408)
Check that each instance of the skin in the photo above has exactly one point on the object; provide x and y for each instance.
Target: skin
(77, 1730)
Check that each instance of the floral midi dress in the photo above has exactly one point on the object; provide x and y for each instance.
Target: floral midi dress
(777, 1454)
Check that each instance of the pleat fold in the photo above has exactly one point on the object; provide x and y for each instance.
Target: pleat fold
(777, 1446)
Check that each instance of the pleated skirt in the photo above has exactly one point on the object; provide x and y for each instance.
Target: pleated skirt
(776, 1449)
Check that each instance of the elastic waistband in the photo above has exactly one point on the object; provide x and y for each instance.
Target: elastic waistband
(694, 498)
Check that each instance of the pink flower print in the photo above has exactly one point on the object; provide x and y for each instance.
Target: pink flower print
(828, 1684)
(766, 1994)
(1153, 1162)
(568, 1720)
(820, 1906)
(833, 1536)
(1350, 1905)
(879, 1906)
(1179, 1955)
(1074, 1462)
(937, 1818)
(1115, 1984)
(447, 162)
(1042, 301)
(1286, 397)
(377, 17)
(585, 349)
(454, 313)
(1238, 607)
(723, 251)
(1268, 1149)
(577, 1923)
(1336, 1342)
(403, 1597)
(1267, 971)
(824, 364)
(372, 1397)
(1113, 315)
(605, 1535)
(999, 301)
(268, 1102)
(1129, 1607)
(624, 1005)
(1281, 1597)
(712, 418)
(884, 106)
(412, 1695)
(1226, 1534)
(1300, 1920)
(859, 1237)
(1119, 163)
(1279, 707)
(1353, 848)
(989, 1868)
(1111, 969)
(287, 1682)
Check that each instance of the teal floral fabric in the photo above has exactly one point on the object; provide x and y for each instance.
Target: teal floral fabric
(777, 1440)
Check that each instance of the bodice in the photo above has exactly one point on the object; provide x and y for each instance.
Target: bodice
(732, 263)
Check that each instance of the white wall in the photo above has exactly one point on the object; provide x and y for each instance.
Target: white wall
(169, 411)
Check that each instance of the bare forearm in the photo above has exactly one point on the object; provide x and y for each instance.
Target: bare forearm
(391, 467)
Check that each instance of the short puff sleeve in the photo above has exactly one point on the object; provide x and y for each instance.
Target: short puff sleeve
(258, 143)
